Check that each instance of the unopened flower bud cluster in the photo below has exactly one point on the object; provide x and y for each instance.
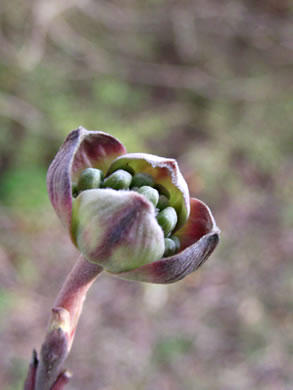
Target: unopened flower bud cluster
(127, 179)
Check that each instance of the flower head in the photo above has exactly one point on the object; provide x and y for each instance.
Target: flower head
(129, 213)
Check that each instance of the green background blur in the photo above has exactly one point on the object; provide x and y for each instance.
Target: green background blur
(207, 82)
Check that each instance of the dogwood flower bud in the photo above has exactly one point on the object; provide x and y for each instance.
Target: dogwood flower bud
(115, 225)
(142, 179)
(89, 179)
(163, 202)
(170, 247)
(119, 180)
(177, 242)
(167, 219)
(150, 193)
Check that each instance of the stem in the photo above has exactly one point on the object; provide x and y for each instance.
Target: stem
(73, 292)
(63, 322)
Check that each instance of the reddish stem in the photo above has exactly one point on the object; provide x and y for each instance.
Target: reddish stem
(73, 292)
(47, 374)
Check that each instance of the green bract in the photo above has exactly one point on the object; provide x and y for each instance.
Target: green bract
(120, 222)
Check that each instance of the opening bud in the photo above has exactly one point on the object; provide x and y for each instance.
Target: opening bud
(119, 229)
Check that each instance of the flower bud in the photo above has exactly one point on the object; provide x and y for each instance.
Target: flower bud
(167, 219)
(119, 180)
(89, 179)
(163, 202)
(142, 179)
(170, 247)
(116, 229)
(177, 242)
(150, 193)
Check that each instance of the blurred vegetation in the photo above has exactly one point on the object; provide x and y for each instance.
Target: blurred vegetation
(205, 81)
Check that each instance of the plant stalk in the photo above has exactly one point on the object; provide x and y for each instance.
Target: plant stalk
(47, 373)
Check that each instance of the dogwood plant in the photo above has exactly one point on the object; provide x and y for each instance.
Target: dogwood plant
(129, 215)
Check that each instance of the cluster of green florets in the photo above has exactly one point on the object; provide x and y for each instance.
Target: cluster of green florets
(143, 183)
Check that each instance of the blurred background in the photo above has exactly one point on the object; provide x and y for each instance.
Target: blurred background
(207, 82)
